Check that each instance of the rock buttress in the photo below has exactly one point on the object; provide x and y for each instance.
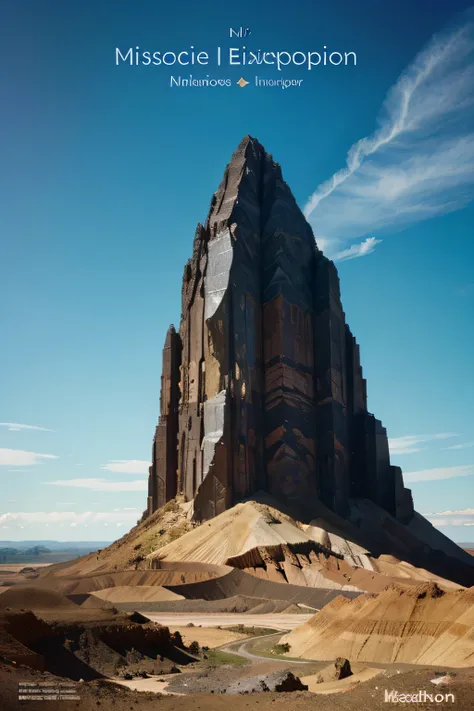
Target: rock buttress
(288, 262)
(162, 484)
(272, 395)
(332, 391)
(232, 445)
(192, 372)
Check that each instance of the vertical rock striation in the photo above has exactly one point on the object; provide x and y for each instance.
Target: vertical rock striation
(162, 482)
(262, 389)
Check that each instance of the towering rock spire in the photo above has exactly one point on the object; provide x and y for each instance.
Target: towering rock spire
(162, 483)
(271, 392)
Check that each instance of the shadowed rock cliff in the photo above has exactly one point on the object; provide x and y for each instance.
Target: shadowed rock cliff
(262, 388)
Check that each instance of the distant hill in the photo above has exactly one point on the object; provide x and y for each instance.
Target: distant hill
(46, 551)
(56, 545)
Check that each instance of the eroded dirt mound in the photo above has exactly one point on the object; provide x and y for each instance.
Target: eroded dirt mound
(169, 577)
(48, 648)
(29, 597)
(91, 602)
(236, 531)
(236, 603)
(80, 650)
(421, 625)
(130, 593)
(130, 646)
(12, 649)
(263, 539)
(258, 538)
(236, 582)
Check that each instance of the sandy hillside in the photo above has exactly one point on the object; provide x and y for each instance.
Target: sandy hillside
(29, 597)
(264, 540)
(202, 585)
(128, 553)
(261, 540)
(423, 625)
(167, 577)
(240, 529)
(142, 593)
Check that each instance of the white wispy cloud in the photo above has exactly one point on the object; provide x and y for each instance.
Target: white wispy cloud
(419, 163)
(439, 473)
(357, 250)
(410, 443)
(101, 484)
(127, 466)
(464, 445)
(20, 458)
(23, 519)
(15, 427)
(462, 517)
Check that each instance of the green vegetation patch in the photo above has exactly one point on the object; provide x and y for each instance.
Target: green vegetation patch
(216, 658)
(251, 631)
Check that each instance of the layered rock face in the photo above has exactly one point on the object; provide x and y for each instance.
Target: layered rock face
(262, 388)
(162, 482)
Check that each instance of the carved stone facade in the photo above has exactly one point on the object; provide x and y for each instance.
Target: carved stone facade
(262, 389)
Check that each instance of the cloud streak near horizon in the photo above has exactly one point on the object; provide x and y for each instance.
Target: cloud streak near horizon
(409, 444)
(127, 466)
(54, 518)
(463, 517)
(439, 473)
(22, 458)
(97, 484)
(418, 164)
(15, 427)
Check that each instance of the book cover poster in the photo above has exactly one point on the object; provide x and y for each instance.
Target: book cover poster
(237, 296)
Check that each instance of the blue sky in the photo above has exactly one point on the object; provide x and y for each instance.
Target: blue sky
(107, 170)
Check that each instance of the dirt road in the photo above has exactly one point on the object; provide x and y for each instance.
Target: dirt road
(242, 649)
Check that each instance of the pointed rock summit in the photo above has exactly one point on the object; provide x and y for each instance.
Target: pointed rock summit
(262, 388)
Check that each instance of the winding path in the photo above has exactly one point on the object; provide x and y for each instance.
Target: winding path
(240, 648)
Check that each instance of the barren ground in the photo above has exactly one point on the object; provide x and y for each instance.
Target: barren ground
(370, 695)
(208, 636)
(279, 621)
